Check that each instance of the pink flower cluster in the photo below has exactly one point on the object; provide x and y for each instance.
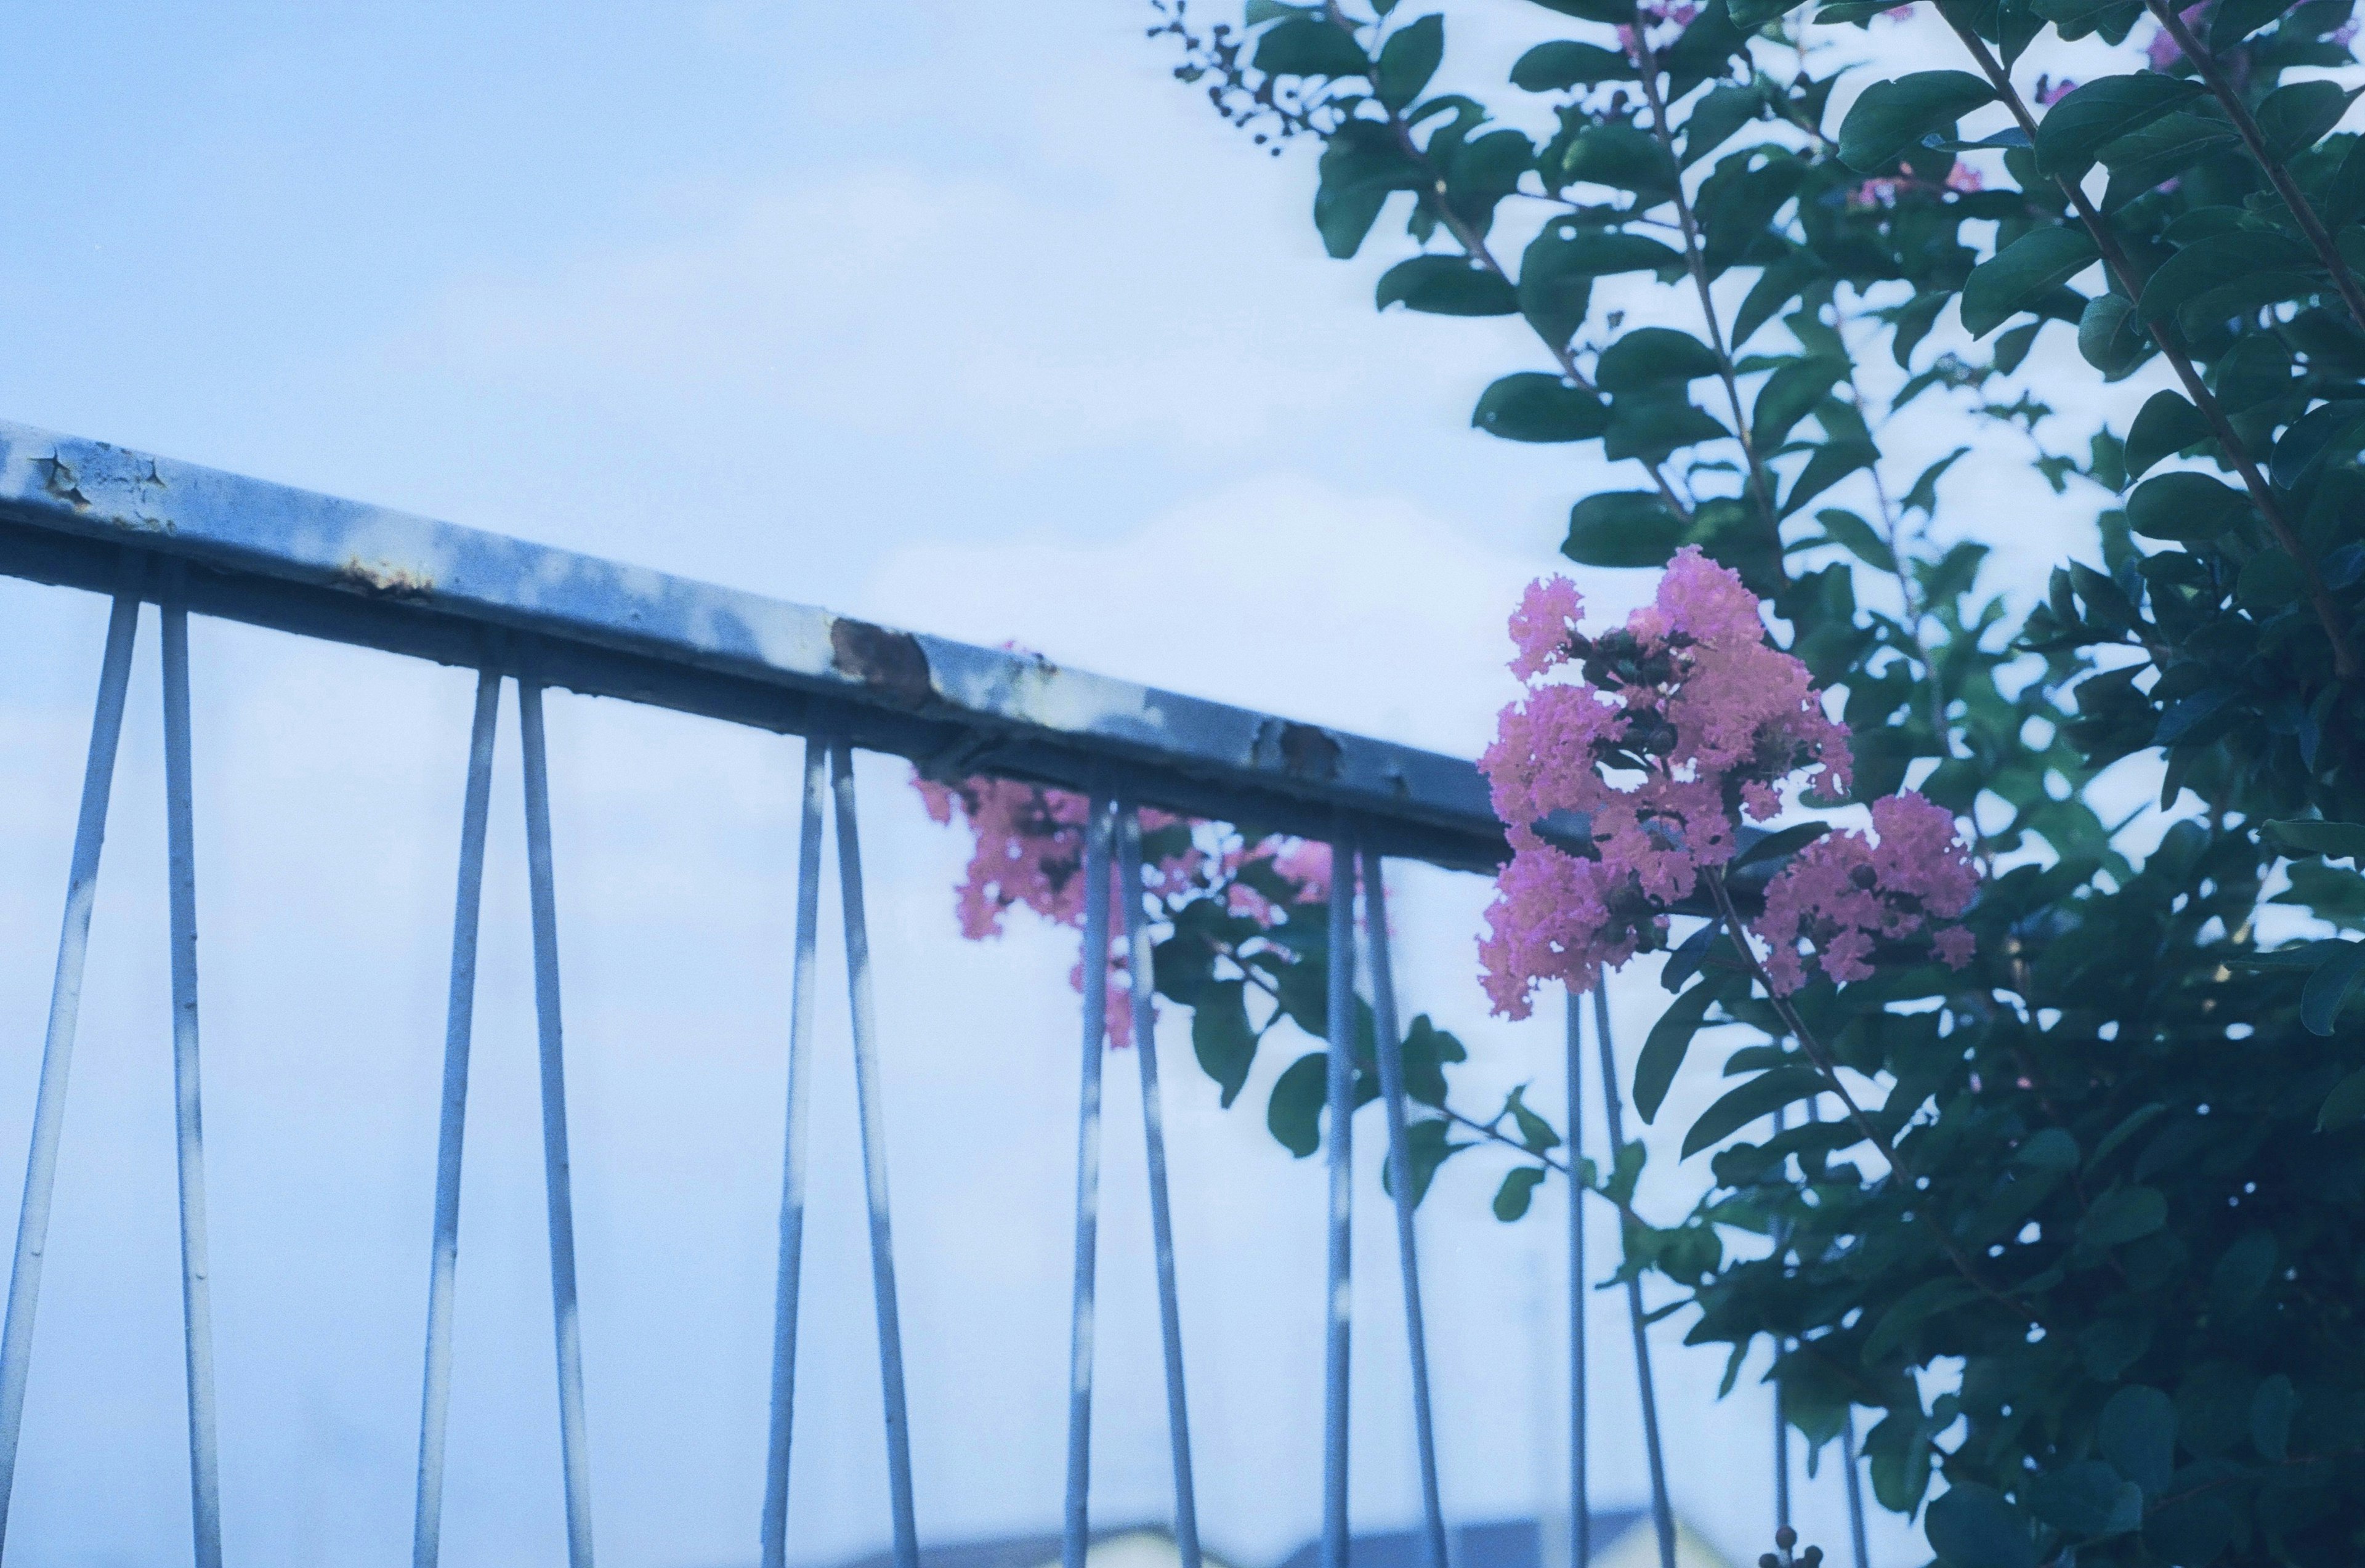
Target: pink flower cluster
(1846, 892)
(1030, 853)
(1673, 728)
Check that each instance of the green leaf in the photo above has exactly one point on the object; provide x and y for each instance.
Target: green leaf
(1614, 12)
(1664, 1051)
(1303, 46)
(1622, 158)
(1890, 118)
(1751, 14)
(1654, 424)
(1789, 395)
(2110, 336)
(1564, 63)
(1427, 1144)
(2140, 159)
(2334, 841)
(1531, 406)
(1294, 1113)
(1555, 289)
(1761, 1096)
(1536, 1135)
(2166, 425)
(1832, 460)
(1856, 536)
(1714, 119)
(2138, 1435)
(2326, 991)
(1445, 285)
(1917, 1305)
(1517, 1191)
(1221, 1039)
(1972, 1526)
(1360, 167)
(2345, 1106)
(2271, 1408)
(1651, 357)
(2186, 507)
(2075, 128)
(2086, 1501)
(2121, 1216)
(2314, 435)
(1622, 528)
(1408, 59)
(2228, 272)
(2269, 580)
(2019, 275)
(1774, 846)
(2295, 118)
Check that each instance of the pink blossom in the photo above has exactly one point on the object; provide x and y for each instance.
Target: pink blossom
(2049, 93)
(1678, 722)
(1541, 627)
(2163, 51)
(1846, 892)
(1963, 177)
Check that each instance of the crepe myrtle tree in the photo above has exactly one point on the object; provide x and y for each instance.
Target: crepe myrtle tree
(2078, 1235)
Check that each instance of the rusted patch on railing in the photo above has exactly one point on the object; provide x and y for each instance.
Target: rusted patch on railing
(891, 662)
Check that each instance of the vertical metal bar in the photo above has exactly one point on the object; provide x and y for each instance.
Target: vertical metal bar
(1076, 1531)
(1340, 1087)
(1580, 1504)
(459, 1025)
(874, 1155)
(804, 982)
(196, 1290)
(1781, 1407)
(1663, 1514)
(1141, 982)
(1389, 1046)
(57, 1047)
(1855, 1491)
(575, 1451)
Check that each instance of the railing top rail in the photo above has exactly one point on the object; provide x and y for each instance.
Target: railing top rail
(80, 514)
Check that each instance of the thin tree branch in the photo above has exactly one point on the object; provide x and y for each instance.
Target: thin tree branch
(2180, 359)
(2212, 76)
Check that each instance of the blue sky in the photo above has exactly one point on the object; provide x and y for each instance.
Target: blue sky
(963, 317)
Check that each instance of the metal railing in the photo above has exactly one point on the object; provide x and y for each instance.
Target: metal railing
(192, 540)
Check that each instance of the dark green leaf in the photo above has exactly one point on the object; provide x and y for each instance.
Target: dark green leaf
(1517, 1191)
(2140, 159)
(1557, 66)
(1649, 357)
(1856, 536)
(1536, 1135)
(1294, 1113)
(1555, 287)
(1916, 1307)
(2138, 1436)
(2345, 1106)
(1531, 406)
(1427, 1144)
(2334, 841)
(2271, 1408)
(2313, 436)
(1783, 841)
(1621, 157)
(1715, 118)
(2269, 580)
(2294, 117)
(1654, 423)
(2121, 1214)
(2231, 272)
(1446, 286)
(2075, 128)
(1761, 1096)
(2087, 1501)
(1303, 46)
(1974, 1527)
(1614, 12)
(2242, 1271)
(1360, 167)
(1622, 528)
(1891, 117)
(2019, 277)
(2186, 506)
(2166, 425)
(1789, 395)
(2328, 988)
(1221, 1039)
(1756, 14)
(2110, 336)
(1832, 460)
(1408, 59)
(2212, 1406)
(1662, 1052)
